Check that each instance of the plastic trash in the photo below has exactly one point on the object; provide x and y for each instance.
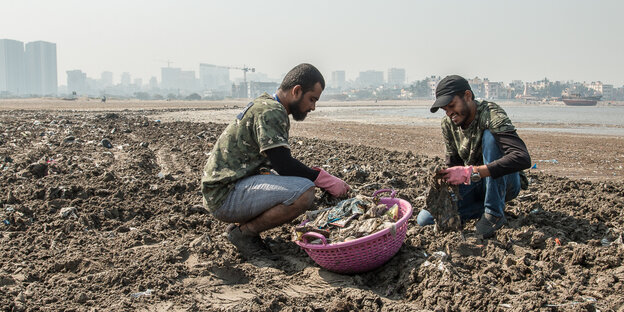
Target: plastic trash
(554, 161)
(147, 292)
(534, 166)
(7, 222)
(107, 143)
(68, 212)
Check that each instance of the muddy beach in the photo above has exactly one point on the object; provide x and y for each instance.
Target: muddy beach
(101, 211)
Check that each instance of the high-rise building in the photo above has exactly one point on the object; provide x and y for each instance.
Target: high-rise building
(12, 75)
(214, 78)
(187, 81)
(175, 79)
(153, 83)
(370, 78)
(396, 76)
(138, 83)
(76, 81)
(125, 79)
(338, 79)
(41, 70)
(106, 79)
(169, 77)
(257, 88)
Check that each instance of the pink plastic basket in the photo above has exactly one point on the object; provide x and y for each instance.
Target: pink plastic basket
(365, 253)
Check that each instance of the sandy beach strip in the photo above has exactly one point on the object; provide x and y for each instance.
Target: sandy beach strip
(579, 156)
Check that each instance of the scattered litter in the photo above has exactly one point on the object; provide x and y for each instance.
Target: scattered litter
(440, 255)
(611, 237)
(557, 241)
(534, 166)
(331, 158)
(586, 299)
(107, 143)
(7, 222)
(68, 212)
(525, 197)
(505, 305)
(554, 161)
(148, 292)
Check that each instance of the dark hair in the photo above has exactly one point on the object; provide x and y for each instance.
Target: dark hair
(461, 94)
(305, 75)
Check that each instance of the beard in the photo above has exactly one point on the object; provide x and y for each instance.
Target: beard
(463, 114)
(295, 110)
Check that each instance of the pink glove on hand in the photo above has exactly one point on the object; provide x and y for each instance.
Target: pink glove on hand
(457, 175)
(330, 183)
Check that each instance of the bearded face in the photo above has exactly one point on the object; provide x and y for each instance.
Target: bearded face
(296, 111)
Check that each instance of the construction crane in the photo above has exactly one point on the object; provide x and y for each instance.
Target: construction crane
(165, 61)
(245, 69)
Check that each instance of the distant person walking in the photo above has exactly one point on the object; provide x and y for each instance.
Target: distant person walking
(238, 185)
(484, 154)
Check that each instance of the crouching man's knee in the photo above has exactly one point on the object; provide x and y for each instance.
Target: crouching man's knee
(305, 202)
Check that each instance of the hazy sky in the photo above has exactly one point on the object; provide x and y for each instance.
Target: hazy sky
(501, 40)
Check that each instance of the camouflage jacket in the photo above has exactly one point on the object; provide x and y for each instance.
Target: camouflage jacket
(467, 143)
(239, 151)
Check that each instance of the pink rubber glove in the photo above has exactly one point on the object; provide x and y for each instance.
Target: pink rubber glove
(332, 184)
(457, 175)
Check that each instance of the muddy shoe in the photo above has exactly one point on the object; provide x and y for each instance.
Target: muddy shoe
(246, 244)
(488, 224)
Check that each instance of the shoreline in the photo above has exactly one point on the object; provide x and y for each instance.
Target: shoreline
(593, 157)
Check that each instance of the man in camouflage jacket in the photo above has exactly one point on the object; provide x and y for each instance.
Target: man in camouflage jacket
(238, 185)
(484, 154)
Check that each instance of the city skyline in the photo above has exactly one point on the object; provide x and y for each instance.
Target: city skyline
(529, 40)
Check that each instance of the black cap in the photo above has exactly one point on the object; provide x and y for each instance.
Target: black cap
(446, 89)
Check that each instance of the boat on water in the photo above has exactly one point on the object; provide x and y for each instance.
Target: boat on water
(576, 99)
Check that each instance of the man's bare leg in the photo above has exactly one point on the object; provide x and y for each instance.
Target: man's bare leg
(246, 236)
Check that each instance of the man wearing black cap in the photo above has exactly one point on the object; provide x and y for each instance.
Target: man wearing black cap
(484, 154)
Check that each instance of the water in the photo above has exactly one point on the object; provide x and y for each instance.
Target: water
(601, 120)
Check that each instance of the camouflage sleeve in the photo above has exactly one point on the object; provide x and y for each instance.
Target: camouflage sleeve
(272, 129)
(452, 156)
(498, 120)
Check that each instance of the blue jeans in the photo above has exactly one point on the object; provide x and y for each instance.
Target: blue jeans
(488, 195)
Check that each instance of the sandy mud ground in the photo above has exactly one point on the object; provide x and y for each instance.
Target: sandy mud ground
(102, 211)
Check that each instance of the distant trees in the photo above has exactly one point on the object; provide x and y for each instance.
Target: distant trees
(142, 95)
(193, 97)
(421, 88)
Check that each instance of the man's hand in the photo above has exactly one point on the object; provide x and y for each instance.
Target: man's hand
(457, 175)
(330, 183)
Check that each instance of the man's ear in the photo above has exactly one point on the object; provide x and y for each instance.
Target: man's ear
(296, 90)
(468, 96)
